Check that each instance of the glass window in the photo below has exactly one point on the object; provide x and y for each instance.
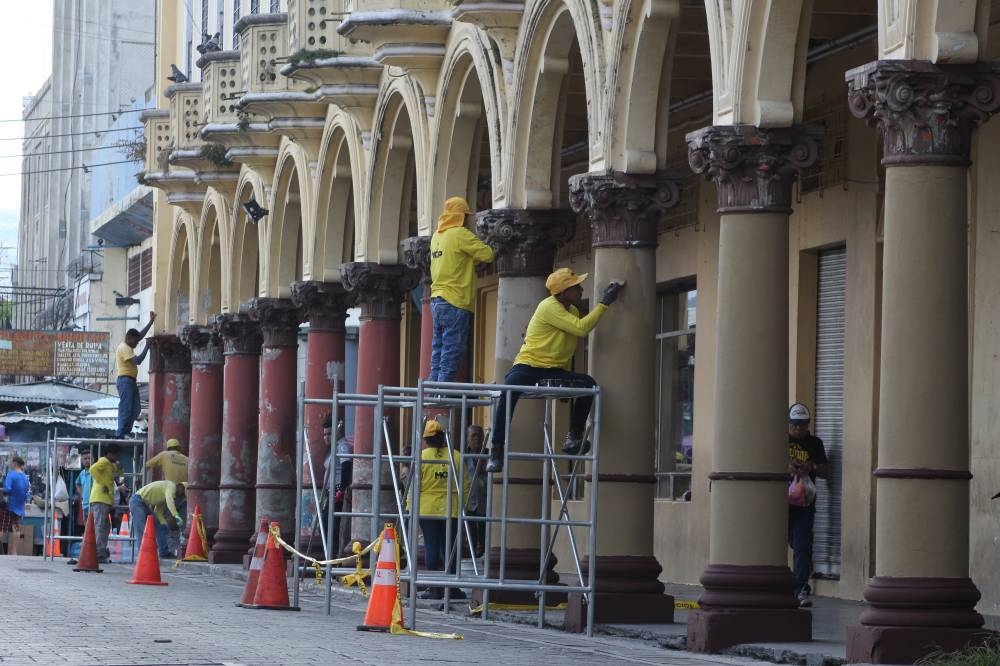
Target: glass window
(255, 6)
(204, 19)
(275, 6)
(236, 19)
(675, 346)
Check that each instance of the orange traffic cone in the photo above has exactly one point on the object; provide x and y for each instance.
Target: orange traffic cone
(88, 552)
(256, 564)
(147, 567)
(272, 588)
(52, 546)
(197, 549)
(383, 604)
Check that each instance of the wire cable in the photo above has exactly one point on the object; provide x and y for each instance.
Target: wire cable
(79, 166)
(52, 136)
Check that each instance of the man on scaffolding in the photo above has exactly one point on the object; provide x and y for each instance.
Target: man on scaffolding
(549, 343)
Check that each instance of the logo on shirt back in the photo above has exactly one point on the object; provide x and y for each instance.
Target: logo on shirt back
(437, 254)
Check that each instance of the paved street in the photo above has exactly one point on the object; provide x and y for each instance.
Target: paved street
(51, 615)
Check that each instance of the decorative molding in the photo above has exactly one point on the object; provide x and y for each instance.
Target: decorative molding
(923, 473)
(753, 168)
(525, 241)
(174, 356)
(926, 112)
(748, 476)
(379, 288)
(324, 304)
(624, 210)
(279, 320)
(921, 602)
(205, 344)
(240, 334)
(416, 254)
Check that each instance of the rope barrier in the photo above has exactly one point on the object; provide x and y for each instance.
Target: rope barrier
(355, 578)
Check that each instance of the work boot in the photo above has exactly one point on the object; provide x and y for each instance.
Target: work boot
(575, 444)
(495, 463)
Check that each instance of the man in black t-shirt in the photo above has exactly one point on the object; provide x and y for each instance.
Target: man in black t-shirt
(806, 455)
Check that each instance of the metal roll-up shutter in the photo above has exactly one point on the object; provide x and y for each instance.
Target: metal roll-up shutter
(828, 422)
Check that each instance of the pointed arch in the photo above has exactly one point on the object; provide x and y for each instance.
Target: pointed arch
(289, 228)
(212, 266)
(245, 240)
(180, 281)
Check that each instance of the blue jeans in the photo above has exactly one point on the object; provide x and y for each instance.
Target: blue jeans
(129, 405)
(451, 334)
(800, 540)
(139, 510)
(435, 548)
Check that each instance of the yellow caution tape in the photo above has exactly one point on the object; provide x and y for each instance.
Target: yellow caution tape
(685, 604)
(515, 607)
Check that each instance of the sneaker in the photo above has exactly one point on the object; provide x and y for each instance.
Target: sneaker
(575, 445)
(494, 465)
(804, 600)
(433, 593)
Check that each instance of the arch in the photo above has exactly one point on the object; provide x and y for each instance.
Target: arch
(289, 227)
(244, 243)
(398, 176)
(340, 194)
(179, 279)
(470, 110)
(212, 267)
(550, 31)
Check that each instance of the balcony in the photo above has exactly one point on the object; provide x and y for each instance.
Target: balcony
(499, 18)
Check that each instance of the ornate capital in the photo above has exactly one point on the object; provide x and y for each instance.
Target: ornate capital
(623, 210)
(926, 112)
(753, 168)
(379, 288)
(205, 344)
(279, 320)
(525, 241)
(325, 304)
(170, 353)
(416, 254)
(240, 334)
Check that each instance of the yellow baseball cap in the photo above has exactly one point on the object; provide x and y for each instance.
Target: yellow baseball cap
(562, 279)
(432, 428)
(173, 444)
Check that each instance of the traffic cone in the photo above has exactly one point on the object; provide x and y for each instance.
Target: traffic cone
(52, 547)
(256, 564)
(383, 604)
(272, 588)
(147, 567)
(88, 552)
(196, 546)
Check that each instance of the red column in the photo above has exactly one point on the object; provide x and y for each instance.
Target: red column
(416, 254)
(380, 290)
(205, 447)
(154, 408)
(238, 466)
(176, 391)
(279, 323)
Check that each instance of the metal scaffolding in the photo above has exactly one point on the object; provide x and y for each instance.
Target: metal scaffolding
(391, 464)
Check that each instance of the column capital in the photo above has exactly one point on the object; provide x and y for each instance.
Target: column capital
(753, 167)
(926, 112)
(624, 210)
(380, 288)
(324, 304)
(170, 353)
(279, 320)
(240, 334)
(525, 241)
(416, 254)
(205, 344)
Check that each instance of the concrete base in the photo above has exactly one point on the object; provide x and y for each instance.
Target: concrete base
(615, 608)
(905, 645)
(224, 557)
(716, 630)
(519, 597)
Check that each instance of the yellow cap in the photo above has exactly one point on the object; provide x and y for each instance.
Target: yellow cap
(455, 210)
(173, 444)
(432, 428)
(562, 279)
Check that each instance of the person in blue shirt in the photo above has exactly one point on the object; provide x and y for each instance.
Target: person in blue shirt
(15, 487)
(83, 483)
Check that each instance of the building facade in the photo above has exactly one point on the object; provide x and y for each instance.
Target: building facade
(799, 191)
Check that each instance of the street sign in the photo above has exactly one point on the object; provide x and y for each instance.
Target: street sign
(82, 354)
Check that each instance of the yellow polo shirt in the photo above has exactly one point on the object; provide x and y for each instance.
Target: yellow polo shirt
(103, 473)
(435, 475)
(454, 253)
(173, 464)
(160, 497)
(124, 365)
(552, 334)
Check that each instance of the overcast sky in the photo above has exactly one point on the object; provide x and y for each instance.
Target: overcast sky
(26, 51)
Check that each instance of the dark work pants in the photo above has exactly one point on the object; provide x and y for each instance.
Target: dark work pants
(800, 540)
(435, 551)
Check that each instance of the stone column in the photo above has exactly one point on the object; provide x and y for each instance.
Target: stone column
(748, 588)
(154, 406)
(525, 243)
(379, 290)
(279, 323)
(242, 341)
(325, 305)
(921, 593)
(169, 409)
(205, 444)
(416, 254)
(624, 212)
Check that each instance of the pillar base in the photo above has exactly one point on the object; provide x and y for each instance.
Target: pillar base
(905, 645)
(521, 565)
(628, 591)
(229, 547)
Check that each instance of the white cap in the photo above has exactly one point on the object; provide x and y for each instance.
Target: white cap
(798, 412)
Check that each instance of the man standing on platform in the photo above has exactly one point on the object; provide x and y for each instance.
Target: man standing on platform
(806, 456)
(127, 367)
(454, 253)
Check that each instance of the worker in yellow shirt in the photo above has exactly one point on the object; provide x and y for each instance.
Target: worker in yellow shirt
(127, 369)
(454, 253)
(105, 475)
(172, 463)
(162, 499)
(549, 343)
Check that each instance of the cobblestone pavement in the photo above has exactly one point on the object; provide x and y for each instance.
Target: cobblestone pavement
(51, 615)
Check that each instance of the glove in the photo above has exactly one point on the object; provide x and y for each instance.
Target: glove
(180, 523)
(610, 294)
(338, 497)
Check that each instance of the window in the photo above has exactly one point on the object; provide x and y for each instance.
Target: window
(675, 346)
(236, 19)
(204, 19)
(255, 6)
(140, 272)
(275, 6)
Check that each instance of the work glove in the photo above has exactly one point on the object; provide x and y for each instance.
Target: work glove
(180, 523)
(338, 497)
(610, 294)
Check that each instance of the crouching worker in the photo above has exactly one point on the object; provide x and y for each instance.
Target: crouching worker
(160, 499)
(549, 343)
